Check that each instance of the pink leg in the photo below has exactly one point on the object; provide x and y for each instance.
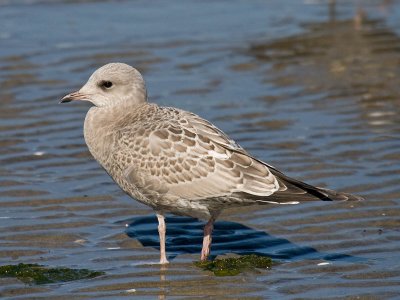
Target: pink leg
(161, 232)
(207, 239)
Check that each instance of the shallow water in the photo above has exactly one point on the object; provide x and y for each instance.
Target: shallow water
(309, 87)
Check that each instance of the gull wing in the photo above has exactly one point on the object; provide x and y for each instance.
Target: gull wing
(186, 157)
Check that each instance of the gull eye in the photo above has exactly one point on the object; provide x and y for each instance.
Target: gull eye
(107, 84)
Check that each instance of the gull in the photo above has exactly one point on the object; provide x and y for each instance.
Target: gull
(175, 161)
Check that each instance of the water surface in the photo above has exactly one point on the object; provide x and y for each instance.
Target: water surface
(310, 87)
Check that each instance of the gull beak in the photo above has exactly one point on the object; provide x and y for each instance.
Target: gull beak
(73, 96)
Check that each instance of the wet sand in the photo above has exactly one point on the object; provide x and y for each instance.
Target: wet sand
(310, 88)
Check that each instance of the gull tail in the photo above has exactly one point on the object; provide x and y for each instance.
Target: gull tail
(339, 196)
(292, 190)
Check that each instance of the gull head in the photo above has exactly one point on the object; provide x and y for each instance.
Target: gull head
(110, 85)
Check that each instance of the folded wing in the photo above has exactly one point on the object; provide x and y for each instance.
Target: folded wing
(190, 158)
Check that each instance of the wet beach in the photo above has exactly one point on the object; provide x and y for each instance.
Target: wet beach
(311, 87)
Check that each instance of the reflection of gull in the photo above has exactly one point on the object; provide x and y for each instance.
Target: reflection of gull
(175, 161)
(185, 234)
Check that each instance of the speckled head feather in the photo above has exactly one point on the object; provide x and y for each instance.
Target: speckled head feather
(111, 85)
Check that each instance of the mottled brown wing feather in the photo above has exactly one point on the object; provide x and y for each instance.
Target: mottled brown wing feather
(293, 191)
(191, 159)
(290, 191)
(182, 156)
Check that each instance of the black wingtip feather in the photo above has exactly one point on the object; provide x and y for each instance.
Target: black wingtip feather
(320, 193)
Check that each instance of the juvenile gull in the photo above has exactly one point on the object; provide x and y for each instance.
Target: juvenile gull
(175, 161)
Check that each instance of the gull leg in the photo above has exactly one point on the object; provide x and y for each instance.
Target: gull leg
(208, 228)
(161, 232)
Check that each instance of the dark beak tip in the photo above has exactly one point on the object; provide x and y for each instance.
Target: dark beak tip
(71, 97)
(65, 100)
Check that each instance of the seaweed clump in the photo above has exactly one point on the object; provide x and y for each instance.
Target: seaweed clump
(235, 265)
(38, 274)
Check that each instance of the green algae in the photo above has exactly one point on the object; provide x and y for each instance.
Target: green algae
(235, 265)
(38, 274)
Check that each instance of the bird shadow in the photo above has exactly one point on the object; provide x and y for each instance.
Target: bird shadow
(185, 235)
